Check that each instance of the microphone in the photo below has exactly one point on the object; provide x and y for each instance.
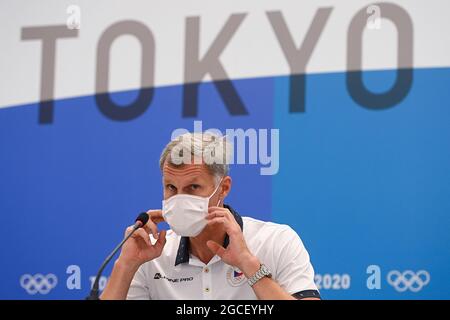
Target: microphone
(140, 221)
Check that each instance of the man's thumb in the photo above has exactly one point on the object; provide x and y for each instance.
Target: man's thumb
(215, 248)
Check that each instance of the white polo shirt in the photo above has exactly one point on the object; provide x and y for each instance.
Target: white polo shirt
(177, 274)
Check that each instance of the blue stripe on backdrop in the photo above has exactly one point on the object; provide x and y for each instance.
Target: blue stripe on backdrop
(360, 187)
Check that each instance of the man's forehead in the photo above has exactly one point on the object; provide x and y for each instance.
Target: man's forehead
(193, 171)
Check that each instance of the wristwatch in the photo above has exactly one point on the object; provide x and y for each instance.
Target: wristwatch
(261, 273)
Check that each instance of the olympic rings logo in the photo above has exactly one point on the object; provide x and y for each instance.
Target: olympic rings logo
(38, 283)
(408, 280)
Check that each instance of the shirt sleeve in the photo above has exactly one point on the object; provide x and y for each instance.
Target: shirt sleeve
(294, 271)
(139, 289)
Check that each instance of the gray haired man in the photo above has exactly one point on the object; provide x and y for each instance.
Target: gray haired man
(210, 252)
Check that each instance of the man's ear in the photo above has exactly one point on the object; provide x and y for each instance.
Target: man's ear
(226, 187)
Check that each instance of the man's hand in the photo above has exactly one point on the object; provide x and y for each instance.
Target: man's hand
(136, 251)
(237, 253)
(139, 249)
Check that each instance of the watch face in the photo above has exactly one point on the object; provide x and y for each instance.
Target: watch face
(265, 270)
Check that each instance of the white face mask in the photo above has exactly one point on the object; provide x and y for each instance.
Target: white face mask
(186, 213)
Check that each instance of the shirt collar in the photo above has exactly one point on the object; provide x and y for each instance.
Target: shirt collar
(183, 248)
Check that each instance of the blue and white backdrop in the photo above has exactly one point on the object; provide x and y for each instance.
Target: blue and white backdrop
(90, 92)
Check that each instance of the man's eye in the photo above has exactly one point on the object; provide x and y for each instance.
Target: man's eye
(195, 186)
(171, 187)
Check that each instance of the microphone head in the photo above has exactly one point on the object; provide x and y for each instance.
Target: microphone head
(142, 218)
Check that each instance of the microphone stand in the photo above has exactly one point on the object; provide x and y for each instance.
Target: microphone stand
(94, 295)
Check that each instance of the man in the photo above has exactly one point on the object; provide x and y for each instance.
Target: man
(211, 252)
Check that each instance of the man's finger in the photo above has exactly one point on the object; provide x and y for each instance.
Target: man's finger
(155, 216)
(159, 244)
(220, 214)
(213, 209)
(218, 220)
(230, 228)
(215, 248)
(215, 213)
(218, 211)
(147, 229)
(128, 231)
(216, 208)
(140, 233)
(153, 228)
